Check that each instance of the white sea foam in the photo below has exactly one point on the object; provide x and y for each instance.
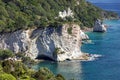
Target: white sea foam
(87, 42)
(91, 57)
(94, 57)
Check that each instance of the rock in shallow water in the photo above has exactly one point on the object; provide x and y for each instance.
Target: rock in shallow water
(83, 35)
(99, 26)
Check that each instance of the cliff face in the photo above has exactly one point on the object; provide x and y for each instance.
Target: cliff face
(64, 40)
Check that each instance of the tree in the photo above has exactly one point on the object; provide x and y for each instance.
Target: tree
(20, 14)
(2, 25)
(21, 22)
(6, 54)
(44, 74)
(60, 77)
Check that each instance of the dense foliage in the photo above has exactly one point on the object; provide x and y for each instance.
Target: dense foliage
(15, 70)
(23, 14)
(20, 68)
(4, 54)
(5, 76)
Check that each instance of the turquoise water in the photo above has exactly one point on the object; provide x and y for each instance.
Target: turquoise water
(106, 44)
(106, 67)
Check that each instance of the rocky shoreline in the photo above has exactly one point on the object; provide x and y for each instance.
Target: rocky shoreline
(87, 29)
(83, 57)
(58, 44)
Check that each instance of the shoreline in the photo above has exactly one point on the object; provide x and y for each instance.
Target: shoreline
(84, 57)
(87, 29)
(88, 57)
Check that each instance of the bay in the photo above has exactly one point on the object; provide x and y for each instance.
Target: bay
(106, 67)
(106, 44)
(115, 7)
(109, 5)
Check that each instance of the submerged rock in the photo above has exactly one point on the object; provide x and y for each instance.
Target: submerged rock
(99, 26)
(56, 43)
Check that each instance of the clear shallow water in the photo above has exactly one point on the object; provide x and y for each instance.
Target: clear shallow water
(105, 68)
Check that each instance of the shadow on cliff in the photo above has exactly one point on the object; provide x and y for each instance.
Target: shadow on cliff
(43, 57)
(45, 43)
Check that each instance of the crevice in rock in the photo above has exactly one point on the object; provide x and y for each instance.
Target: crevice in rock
(43, 57)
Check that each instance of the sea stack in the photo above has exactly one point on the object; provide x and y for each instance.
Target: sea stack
(99, 26)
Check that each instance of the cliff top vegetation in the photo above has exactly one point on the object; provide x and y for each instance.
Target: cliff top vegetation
(24, 14)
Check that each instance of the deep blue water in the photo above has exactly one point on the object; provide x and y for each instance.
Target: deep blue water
(104, 1)
(110, 5)
(106, 44)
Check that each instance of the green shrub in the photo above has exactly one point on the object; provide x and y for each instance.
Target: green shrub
(69, 30)
(20, 55)
(60, 77)
(15, 68)
(6, 54)
(57, 51)
(26, 78)
(1, 69)
(12, 70)
(44, 74)
(6, 76)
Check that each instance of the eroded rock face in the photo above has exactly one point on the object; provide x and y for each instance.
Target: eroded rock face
(83, 35)
(44, 42)
(99, 26)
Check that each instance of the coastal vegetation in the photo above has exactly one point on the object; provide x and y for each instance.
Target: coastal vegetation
(11, 69)
(15, 70)
(58, 51)
(69, 30)
(4, 54)
(24, 14)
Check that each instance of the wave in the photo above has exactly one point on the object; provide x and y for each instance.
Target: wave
(87, 42)
(94, 57)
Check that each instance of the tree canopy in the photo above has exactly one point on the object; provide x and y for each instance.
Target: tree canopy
(23, 14)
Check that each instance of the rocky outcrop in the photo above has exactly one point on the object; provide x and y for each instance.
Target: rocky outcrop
(56, 43)
(83, 35)
(99, 26)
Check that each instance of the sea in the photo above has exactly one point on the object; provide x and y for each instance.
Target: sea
(106, 67)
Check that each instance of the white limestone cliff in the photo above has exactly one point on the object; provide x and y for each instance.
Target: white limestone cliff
(99, 26)
(43, 42)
